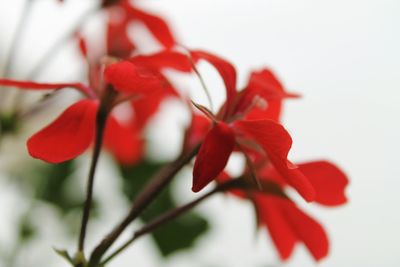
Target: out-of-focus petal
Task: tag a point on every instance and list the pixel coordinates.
(82, 44)
(328, 180)
(276, 142)
(265, 85)
(213, 155)
(68, 136)
(308, 230)
(118, 42)
(123, 140)
(30, 85)
(198, 129)
(156, 25)
(164, 59)
(129, 78)
(287, 224)
(146, 107)
(278, 227)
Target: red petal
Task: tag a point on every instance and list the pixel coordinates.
(200, 126)
(118, 42)
(267, 85)
(82, 44)
(225, 69)
(213, 155)
(146, 107)
(276, 142)
(269, 173)
(309, 231)
(165, 59)
(156, 25)
(123, 140)
(129, 78)
(279, 229)
(272, 112)
(29, 85)
(68, 136)
(287, 225)
(328, 180)
(264, 84)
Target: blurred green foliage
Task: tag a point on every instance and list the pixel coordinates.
(51, 184)
(8, 123)
(26, 230)
(176, 235)
(51, 181)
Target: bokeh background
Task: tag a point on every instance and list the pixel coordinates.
(342, 56)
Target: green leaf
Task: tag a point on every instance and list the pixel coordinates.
(54, 185)
(180, 234)
(52, 180)
(176, 235)
(64, 254)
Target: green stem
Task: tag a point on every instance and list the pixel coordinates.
(100, 125)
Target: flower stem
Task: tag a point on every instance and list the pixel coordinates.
(142, 201)
(169, 216)
(101, 119)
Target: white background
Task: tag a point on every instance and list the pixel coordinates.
(343, 57)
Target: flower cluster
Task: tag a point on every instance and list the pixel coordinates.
(248, 122)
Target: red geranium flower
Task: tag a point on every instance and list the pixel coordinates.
(249, 118)
(286, 223)
(231, 126)
(73, 131)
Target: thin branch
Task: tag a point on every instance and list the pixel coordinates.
(169, 216)
(100, 125)
(141, 202)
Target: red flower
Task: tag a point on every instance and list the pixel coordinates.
(222, 137)
(122, 14)
(327, 179)
(252, 117)
(73, 131)
(197, 130)
(286, 223)
(270, 136)
(262, 97)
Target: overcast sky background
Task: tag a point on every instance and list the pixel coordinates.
(342, 56)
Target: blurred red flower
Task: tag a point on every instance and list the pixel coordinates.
(73, 131)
